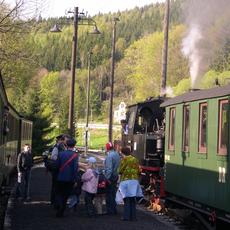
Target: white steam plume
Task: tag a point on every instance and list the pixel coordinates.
(208, 30)
(190, 50)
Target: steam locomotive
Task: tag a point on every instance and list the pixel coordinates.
(15, 131)
(145, 136)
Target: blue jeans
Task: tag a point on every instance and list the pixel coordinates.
(129, 208)
(73, 201)
(110, 198)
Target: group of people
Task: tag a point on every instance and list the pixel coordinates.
(118, 176)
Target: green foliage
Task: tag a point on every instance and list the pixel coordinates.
(210, 78)
(98, 138)
(54, 95)
(224, 78)
(208, 81)
(183, 86)
(55, 49)
(41, 124)
(142, 64)
(36, 66)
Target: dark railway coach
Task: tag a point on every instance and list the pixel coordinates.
(197, 150)
(14, 132)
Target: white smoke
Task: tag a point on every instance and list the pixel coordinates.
(191, 51)
(207, 32)
(168, 91)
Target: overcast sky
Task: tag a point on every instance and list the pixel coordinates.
(52, 8)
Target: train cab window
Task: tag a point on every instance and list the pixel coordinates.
(223, 127)
(172, 121)
(186, 128)
(203, 128)
(132, 119)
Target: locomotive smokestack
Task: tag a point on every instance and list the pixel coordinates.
(165, 50)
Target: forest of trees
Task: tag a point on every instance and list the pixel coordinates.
(35, 63)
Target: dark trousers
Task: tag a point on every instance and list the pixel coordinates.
(89, 204)
(23, 189)
(53, 188)
(110, 198)
(63, 191)
(129, 208)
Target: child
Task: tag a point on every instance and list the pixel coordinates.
(90, 184)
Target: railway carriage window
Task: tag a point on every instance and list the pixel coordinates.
(186, 128)
(223, 127)
(172, 129)
(6, 120)
(203, 128)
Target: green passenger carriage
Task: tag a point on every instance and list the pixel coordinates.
(15, 131)
(197, 150)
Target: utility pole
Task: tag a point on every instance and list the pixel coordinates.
(165, 50)
(71, 124)
(115, 20)
(81, 20)
(87, 106)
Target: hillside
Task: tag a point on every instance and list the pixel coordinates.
(36, 63)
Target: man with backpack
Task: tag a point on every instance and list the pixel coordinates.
(58, 147)
(67, 175)
(24, 165)
(52, 164)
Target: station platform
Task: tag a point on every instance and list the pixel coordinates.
(38, 214)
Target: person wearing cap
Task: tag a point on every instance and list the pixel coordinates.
(58, 147)
(67, 175)
(90, 184)
(112, 162)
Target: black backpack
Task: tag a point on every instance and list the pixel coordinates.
(102, 184)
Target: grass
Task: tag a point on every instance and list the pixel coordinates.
(98, 138)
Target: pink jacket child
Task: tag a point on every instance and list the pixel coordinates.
(90, 181)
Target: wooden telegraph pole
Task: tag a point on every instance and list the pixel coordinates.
(112, 80)
(71, 125)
